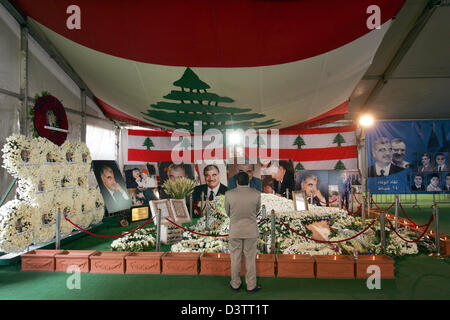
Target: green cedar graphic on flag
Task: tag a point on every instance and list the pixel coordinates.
(186, 144)
(339, 166)
(299, 166)
(339, 139)
(259, 141)
(194, 103)
(148, 143)
(299, 142)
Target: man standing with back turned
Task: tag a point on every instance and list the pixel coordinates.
(242, 204)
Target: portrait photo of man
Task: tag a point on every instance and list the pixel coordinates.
(426, 165)
(398, 153)
(434, 184)
(250, 169)
(315, 185)
(212, 188)
(284, 178)
(171, 171)
(25, 155)
(382, 154)
(112, 185)
(417, 183)
(440, 165)
(446, 186)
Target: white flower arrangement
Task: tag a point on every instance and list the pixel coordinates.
(46, 229)
(140, 240)
(17, 222)
(40, 167)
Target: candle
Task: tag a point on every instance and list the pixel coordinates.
(257, 256)
(294, 256)
(373, 257)
(218, 256)
(334, 257)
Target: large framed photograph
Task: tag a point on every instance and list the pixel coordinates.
(300, 202)
(180, 210)
(112, 185)
(166, 210)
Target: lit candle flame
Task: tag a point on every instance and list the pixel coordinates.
(373, 257)
(218, 256)
(294, 256)
(335, 257)
(257, 256)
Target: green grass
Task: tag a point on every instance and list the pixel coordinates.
(417, 277)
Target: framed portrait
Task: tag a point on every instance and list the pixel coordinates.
(166, 210)
(300, 202)
(180, 210)
(112, 185)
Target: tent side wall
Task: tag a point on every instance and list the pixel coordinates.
(44, 74)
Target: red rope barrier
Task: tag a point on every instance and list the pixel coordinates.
(200, 234)
(421, 236)
(355, 212)
(356, 198)
(262, 221)
(100, 236)
(327, 203)
(197, 208)
(379, 207)
(336, 241)
(415, 224)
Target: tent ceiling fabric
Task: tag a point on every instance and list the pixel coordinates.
(290, 60)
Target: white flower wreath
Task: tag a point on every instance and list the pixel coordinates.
(46, 229)
(17, 221)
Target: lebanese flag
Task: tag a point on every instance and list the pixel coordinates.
(314, 148)
(296, 62)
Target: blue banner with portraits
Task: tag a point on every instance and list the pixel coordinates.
(408, 157)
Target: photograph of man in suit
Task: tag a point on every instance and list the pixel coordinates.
(398, 153)
(446, 187)
(284, 179)
(345, 188)
(426, 163)
(418, 183)
(440, 162)
(254, 182)
(242, 205)
(309, 184)
(434, 184)
(382, 153)
(115, 196)
(212, 187)
(174, 172)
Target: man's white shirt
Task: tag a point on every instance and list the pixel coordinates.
(386, 169)
(215, 190)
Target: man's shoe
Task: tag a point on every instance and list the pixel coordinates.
(235, 289)
(257, 288)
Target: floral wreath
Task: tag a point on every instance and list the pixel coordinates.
(49, 118)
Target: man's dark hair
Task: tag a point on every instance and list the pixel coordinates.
(426, 155)
(209, 167)
(434, 175)
(106, 168)
(242, 178)
(440, 154)
(418, 175)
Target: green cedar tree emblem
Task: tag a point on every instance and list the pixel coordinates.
(259, 141)
(299, 166)
(148, 143)
(185, 144)
(194, 103)
(299, 142)
(339, 139)
(339, 166)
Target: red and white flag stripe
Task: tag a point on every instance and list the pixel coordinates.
(319, 148)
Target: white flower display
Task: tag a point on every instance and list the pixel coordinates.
(17, 222)
(342, 226)
(46, 229)
(140, 240)
(50, 179)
